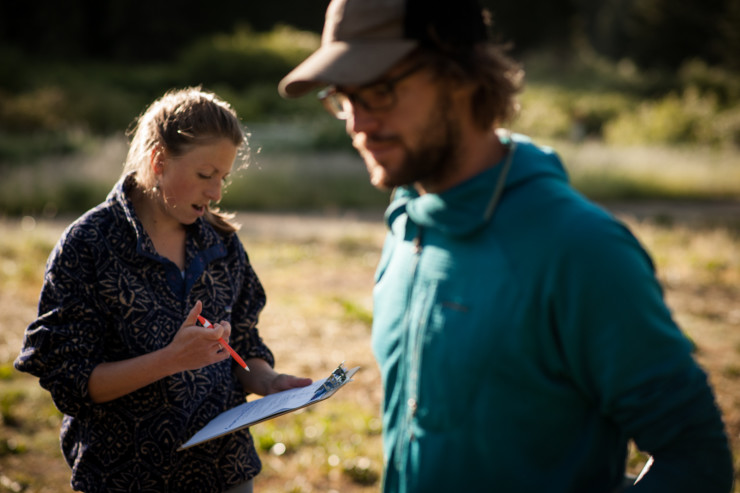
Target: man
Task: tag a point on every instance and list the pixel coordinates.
(520, 330)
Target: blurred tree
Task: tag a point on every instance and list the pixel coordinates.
(729, 34)
(125, 30)
(303, 14)
(664, 33)
(531, 24)
(667, 32)
(652, 32)
(603, 25)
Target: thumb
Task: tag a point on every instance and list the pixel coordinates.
(192, 317)
(285, 382)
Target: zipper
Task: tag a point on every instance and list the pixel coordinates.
(412, 367)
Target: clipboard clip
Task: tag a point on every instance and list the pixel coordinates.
(337, 378)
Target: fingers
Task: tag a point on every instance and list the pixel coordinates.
(221, 330)
(299, 381)
(226, 327)
(285, 382)
(216, 330)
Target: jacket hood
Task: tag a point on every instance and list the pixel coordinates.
(465, 208)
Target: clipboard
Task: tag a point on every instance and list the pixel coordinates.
(271, 406)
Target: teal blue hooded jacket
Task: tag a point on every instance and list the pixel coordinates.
(521, 352)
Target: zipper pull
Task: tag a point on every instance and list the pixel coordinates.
(417, 242)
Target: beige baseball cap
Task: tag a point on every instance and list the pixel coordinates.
(362, 39)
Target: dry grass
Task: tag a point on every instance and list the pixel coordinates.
(318, 276)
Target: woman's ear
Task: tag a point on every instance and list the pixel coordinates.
(156, 160)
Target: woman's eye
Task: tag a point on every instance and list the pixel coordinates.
(204, 176)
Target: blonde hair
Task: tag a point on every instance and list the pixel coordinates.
(173, 124)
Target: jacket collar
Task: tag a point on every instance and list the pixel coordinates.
(462, 210)
(201, 232)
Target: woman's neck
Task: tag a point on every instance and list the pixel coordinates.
(167, 235)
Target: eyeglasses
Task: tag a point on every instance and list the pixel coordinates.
(376, 96)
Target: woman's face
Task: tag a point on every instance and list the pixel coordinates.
(190, 182)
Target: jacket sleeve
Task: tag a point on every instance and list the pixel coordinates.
(245, 337)
(629, 356)
(63, 345)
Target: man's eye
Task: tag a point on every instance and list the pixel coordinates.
(375, 93)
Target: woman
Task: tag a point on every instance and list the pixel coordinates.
(116, 341)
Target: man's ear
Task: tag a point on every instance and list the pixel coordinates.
(462, 89)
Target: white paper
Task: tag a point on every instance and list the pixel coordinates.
(262, 409)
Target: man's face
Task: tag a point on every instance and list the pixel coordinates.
(415, 141)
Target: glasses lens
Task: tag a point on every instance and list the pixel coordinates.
(335, 103)
(377, 97)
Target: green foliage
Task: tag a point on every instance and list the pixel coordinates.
(67, 195)
(244, 57)
(676, 119)
(56, 109)
(338, 434)
(9, 401)
(96, 99)
(361, 471)
(707, 79)
(592, 98)
(353, 311)
(12, 70)
(6, 371)
(24, 147)
(286, 192)
(261, 102)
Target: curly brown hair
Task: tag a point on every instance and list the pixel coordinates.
(497, 77)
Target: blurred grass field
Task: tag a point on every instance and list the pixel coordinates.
(317, 270)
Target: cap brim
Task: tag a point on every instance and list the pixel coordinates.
(341, 63)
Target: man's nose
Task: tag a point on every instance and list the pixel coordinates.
(362, 120)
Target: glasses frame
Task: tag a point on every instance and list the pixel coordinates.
(333, 99)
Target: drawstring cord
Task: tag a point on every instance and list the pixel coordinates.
(499, 190)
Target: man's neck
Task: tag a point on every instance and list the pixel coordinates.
(479, 152)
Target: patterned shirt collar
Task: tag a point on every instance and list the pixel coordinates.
(203, 243)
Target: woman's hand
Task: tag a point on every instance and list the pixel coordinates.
(263, 380)
(194, 346)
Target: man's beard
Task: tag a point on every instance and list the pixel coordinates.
(433, 158)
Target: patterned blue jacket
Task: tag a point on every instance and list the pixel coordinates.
(108, 296)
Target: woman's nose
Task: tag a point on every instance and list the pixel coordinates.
(213, 192)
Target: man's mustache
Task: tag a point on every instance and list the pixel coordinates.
(362, 140)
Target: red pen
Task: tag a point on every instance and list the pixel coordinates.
(236, 357)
